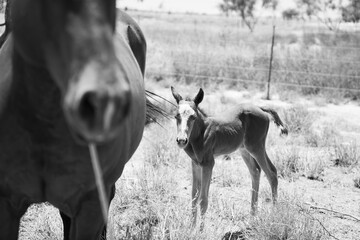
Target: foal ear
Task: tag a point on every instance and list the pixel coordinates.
(199, 97)
(177, 96)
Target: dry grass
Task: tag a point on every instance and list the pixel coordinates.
(156, 204)
(207, 49)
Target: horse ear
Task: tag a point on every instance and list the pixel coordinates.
(199, 97)
(138, 46)
(177, 96)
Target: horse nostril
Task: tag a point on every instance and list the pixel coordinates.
(102, 111)
(88, 107)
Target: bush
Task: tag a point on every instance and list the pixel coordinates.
(287, 220)
(287, 162)
(298, 119)
(346, 154)
(314, 170)
(357, 182)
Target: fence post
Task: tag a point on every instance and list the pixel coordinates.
(270, 67)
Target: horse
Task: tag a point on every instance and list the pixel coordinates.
(204, 137)
(72, 73)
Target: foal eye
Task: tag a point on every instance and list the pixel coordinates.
(177, 116)
(191, 117)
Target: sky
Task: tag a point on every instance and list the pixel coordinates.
(194, 6)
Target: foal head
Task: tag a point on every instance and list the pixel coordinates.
(73, 40)
(186, 116)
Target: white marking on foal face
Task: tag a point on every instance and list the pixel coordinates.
(185, 121)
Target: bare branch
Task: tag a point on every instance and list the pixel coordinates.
(333, 211)
(316, 219)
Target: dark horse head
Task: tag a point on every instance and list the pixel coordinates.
(66, 70)
(73, 39)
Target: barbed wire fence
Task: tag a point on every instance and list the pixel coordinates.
(348, 82)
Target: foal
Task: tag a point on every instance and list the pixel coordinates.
(203, 138)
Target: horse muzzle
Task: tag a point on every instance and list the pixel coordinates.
(97, 116)
(96, 104)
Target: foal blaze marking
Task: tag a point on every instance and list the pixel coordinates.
(244, 127)
(67, 78)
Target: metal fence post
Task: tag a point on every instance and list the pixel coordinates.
(270, 67)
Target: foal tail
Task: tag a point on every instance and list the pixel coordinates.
(276, 120)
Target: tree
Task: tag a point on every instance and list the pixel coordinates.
(324, 10)
(351, 12)
(270, 4)
(290, 14)
(245, 8)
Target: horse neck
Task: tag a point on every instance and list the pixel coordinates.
(199, 126)
(35, 91)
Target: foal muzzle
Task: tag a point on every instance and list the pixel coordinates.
(182, 142)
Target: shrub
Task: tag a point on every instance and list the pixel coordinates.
(287, 220)
(298, 119)
(357, 182)
(287, 162)
(314, 170)
(346, 154)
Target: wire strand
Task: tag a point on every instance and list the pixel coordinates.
(254, 81)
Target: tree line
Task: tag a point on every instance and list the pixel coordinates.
(321, 10)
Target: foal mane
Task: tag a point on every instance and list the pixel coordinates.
(204, 114)
(201, 111)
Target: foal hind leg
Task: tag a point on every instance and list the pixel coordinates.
(259, 153)
(255, 172)
(274, 187)
(10, 219)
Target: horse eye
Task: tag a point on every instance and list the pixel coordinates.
(177, 116)
(191, 117)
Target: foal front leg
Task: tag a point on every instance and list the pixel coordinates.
(206, 172)
(195, 192)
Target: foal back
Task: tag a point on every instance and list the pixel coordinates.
(242, 126)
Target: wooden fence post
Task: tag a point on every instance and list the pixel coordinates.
(270, 67)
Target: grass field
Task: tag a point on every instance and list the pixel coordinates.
(318, 163)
